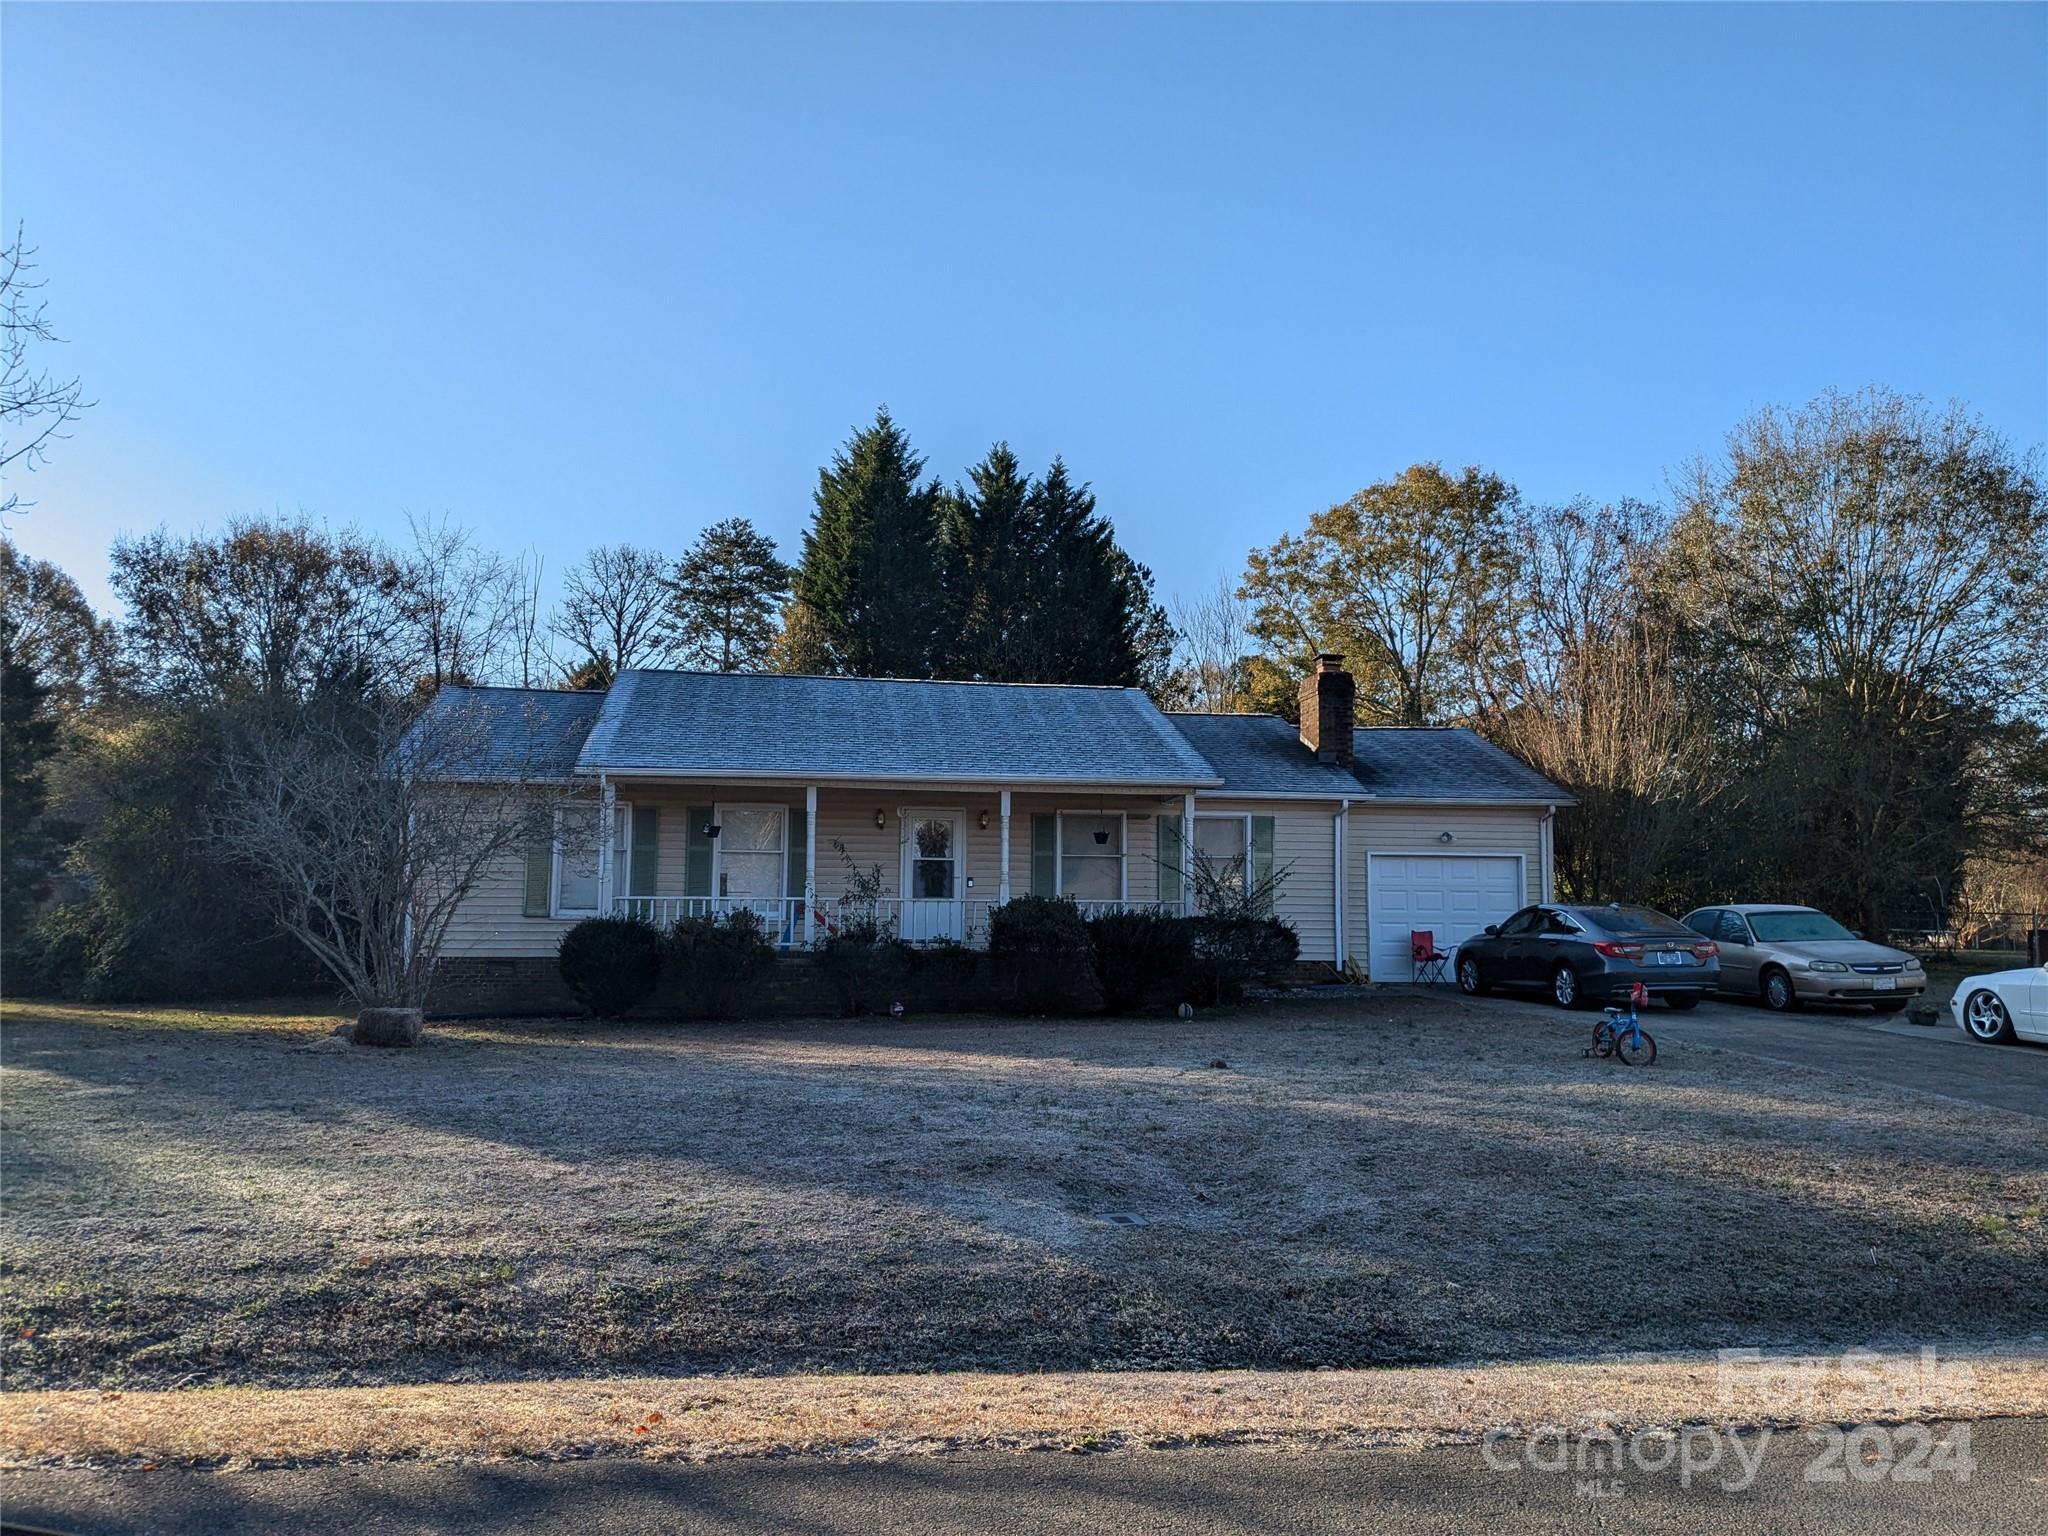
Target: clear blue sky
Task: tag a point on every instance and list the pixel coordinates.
(576, 275)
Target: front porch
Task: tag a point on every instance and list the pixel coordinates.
(926, 864)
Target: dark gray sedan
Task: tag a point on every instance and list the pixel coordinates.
(1591, 954)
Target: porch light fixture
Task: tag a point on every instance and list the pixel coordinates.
(881, 818)
(1445, 837)
(984, 821)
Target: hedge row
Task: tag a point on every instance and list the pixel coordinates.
(1044, 957)
(611, 964)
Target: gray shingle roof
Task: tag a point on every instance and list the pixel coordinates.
(1262, 754)
(746, 725)
(1447, 763)
(504, 733)
(738, 725)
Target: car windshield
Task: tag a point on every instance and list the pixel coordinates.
(1627, 919)
(1796, 927)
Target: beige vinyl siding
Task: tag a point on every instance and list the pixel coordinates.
(1303, 847)
(492, 921)
(1418, 829)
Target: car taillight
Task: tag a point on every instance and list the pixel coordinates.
(1614, 951)
(1706, 949)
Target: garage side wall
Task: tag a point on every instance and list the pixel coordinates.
(1476, 831)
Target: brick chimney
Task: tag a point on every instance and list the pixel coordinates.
(1329, 709)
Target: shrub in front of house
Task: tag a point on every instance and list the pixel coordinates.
(1041, 957)
(867, 970)
(1234, 950)
(714, 962)
(1140, 957)
(610, 963)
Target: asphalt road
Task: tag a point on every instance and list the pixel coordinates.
(1183, 1492)
(1887, 1049)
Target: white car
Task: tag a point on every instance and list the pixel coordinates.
(2003, 1005)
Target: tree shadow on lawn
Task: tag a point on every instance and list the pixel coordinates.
(780, 1200)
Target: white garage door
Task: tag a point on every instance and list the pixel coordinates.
(1452, 895)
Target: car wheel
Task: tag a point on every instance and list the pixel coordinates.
(1681, 1001)
(1892, 1005)
(1778, 994)
(1470, 981)
(1564, 987)
(1984, 1016)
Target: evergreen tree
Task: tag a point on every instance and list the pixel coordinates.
(28, 735)
(871, 570)
(1078, 625)
(988, 525)
(724, 596)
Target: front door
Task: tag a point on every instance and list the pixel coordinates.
(751, 849)
(933, 879)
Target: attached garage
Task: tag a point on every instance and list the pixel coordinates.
(1450, 895)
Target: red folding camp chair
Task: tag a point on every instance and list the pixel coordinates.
(1429, 961)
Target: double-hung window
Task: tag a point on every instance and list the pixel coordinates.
(1091, 856)
(576, 850)
(576, 858)
(1223, 858)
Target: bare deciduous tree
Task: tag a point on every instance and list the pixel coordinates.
(1210, 670)
(278, 607)
(33, 401)
(365, 830)
(461, 601)
(614, 610)
(1592, 700)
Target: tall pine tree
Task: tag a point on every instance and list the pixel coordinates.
(1077, 625)
(872, 574)
(988, 525)
(724, 596)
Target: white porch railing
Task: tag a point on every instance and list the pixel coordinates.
(783, 916)
(915, 920)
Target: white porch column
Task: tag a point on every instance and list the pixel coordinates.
(1003, 876)
(810, 863)
(608, 803)
(1187, 855)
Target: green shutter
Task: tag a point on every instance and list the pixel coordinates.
(1045, 831)
(1169, 861)
(540, 873)
(1262, 859)
(697, 867)
(799, 850)
(646, 869)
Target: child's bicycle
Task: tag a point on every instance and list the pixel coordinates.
(1621, 1033)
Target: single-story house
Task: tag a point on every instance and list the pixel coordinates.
(723, 790)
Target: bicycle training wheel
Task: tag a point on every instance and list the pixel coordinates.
(1635, 1048)
(1603, 1039)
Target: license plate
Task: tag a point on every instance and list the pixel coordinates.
(1671, 957)
(1885, 984)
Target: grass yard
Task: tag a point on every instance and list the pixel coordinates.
(199, 1198)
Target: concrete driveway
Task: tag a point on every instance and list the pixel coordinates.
(1851, 1042)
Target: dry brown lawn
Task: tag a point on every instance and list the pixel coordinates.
(201, 1199)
